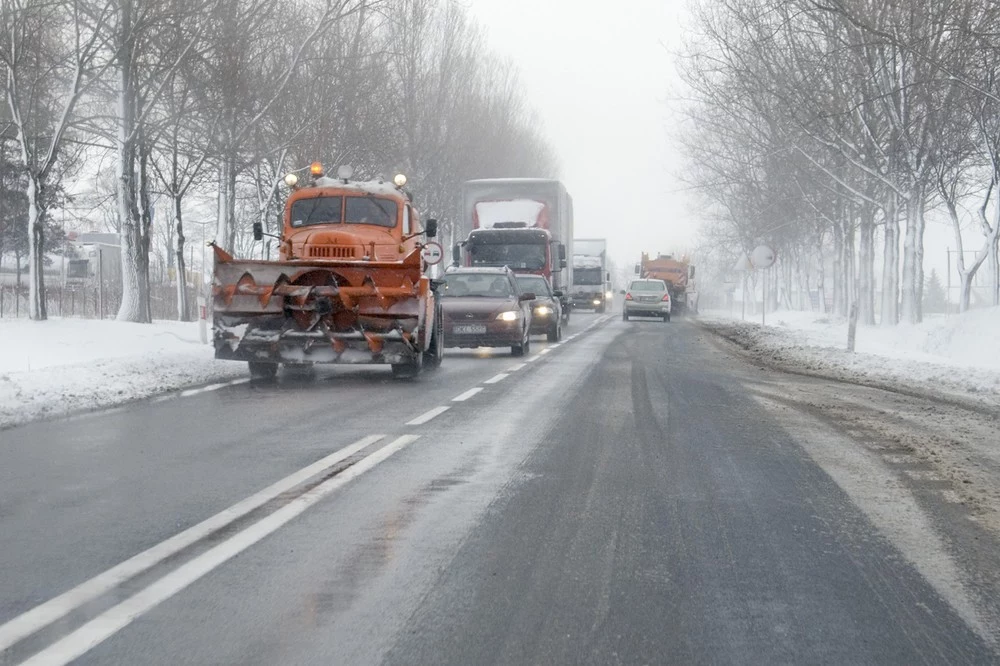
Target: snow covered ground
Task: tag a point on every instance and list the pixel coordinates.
(957, 356)
(62, 366)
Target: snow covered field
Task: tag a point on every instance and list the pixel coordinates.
(957, 356)
(63, 366)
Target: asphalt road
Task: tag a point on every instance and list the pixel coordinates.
(637, 494)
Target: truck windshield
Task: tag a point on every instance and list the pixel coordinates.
(317, 210)
(587, 276)
(370, 210)
(523, 256)
(332, 210)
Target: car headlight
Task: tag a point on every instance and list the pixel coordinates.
(510, 315)
(543, 311)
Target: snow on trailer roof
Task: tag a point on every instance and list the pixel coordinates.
(586, 261)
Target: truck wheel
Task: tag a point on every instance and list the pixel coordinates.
(408, 370)
(262, 370)
(599, 309)
(434, 354)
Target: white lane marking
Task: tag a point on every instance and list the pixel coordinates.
(213, 387)
(555, 346)
(468, 394)
(532, 359)
(496, 379)
(544, 351)
(22, 626)
(517, 367)
(427, 416)
(118, 617)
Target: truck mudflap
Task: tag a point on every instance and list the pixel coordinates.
(320, 311)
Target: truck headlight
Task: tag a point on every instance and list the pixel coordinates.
(510, 315)
(597, 301)
(543, 311)
(609, 294)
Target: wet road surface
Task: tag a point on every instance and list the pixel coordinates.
(636, 494)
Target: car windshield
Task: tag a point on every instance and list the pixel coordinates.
(534, 284)
(647, 285)
(587, 276)
(482, 285)
(518, 256)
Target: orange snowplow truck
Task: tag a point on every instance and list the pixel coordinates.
(349, 285)
(679, 276)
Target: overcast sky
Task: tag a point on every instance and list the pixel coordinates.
(600, 75)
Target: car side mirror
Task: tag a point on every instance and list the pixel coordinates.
(557, 293)
(431, 229)
(527, 296)
(607, 277)
(622, 292)
(258, 231)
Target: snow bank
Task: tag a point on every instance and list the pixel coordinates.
(63, 366)
(955, 356)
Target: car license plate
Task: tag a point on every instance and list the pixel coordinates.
(648, 299)
(470, 329)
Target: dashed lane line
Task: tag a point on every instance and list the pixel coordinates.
(468, 394)
(496, 379)
(428, 416)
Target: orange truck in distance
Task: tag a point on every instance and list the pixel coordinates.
(350, 284)
(678, 273)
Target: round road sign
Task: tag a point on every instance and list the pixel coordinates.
(432, 253)
(762, 257)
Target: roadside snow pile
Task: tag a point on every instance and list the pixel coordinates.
(956, 355)
(62, 366)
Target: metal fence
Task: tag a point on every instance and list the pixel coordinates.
(86, 302)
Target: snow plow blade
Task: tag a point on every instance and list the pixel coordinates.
(320, 311)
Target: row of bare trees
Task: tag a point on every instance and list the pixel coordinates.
(834, 128)
(204, 105)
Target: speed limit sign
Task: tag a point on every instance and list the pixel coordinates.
(432, 253)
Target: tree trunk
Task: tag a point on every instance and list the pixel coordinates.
(913, 253)
(890, 265)
(866, 268)
(36, 253)
(839, 306)
(183, 311)
(821, 276)
(225, 232)
(135, 279)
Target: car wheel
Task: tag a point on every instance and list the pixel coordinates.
(554, 333)
(666, 317)
(262, 370)
(624, 315)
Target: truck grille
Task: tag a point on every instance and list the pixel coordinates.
(331, 252)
